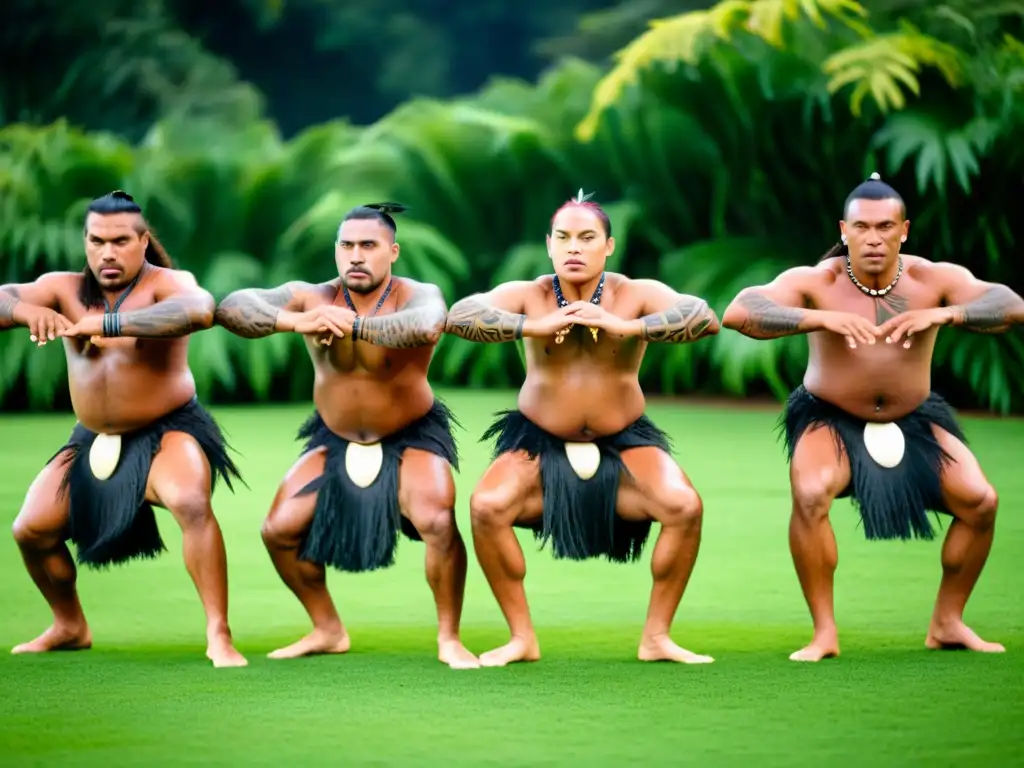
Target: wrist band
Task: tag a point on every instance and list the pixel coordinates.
(355, 327)
(111, 324)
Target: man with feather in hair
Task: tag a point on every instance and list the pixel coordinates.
(379, 449)
(142, 438)
(865, 423)
(578, 462)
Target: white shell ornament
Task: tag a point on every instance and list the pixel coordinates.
(363, 463)
(584, 458)
(885, 443)
(104, 455)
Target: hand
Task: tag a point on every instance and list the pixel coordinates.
(915, 321)
(856, 329)
(326, 321)
(596, 316)
(552, 324)
(43, 324)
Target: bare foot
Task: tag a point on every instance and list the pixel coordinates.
(221, 651)
(516, 649)
(661, 648)
(59, 637)
(823, 646)
(316, 642)
(454, 654)
(957, 635)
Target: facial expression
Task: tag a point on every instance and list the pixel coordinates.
(365, 252)
(115, 250)
(874, 231)
(577, 244)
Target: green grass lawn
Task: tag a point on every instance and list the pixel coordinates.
(145, 694)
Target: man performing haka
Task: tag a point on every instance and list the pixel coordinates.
(580, 427)
(865, 423)
(379, 448)
(142, 438)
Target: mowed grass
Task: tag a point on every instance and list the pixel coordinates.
(146, 695)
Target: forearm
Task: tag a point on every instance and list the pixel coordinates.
(245, 314)
(473, 320)
(993, 312)
(402, 330)
(173, 317)
(8, 301)
(755, 315)
(687, 320)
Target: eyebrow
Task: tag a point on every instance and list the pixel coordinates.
(364, 241)
(584, 232)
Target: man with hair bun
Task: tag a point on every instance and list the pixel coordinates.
(578, 462)
(865, 423)
(379, 449)
(142, 438)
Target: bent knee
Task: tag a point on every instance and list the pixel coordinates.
(813, 494)
(434, 523)
(190, 508)
(981, 509)
(492, 507)
(682, 507)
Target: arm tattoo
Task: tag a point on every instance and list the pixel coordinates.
(475, 321)
(992, 312)
(173, 317)
(252, 313)
(768, 320)
(686, 320)
(9, 298)
(419, 323)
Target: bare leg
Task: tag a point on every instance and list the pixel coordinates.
(179, 481)
(973, 502)
(664, 494)
(283, 529)
(40, 531)
(817, 474)
(427, 495)
(509, 492)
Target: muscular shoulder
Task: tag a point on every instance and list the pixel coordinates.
(414, 290)
(937, 273)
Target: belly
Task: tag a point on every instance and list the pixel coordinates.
(581, 406)
(876, 383)
(364, 409)
(116, 391)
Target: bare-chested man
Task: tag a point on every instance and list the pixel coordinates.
(379, 448)
(580, 428)
(142, 438)
(865, 423)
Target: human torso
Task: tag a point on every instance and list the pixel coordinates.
(582, 389)
(118, 385)
(877, 382)
(362, 391)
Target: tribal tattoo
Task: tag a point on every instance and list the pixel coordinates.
(686, 320)
(419, 323)
(475, 321)
(252, 313)
(889, 306)
(992, 312)
(766, 319)
(173, 317)
(9, 298)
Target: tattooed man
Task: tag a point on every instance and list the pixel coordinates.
(578, 462)
(379, 449)
(142, 438)
(865, 423)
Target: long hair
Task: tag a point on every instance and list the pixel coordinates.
(90, 293)
(872, 189)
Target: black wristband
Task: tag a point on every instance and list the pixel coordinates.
(355, 327)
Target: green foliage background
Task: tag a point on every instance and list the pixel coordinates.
(721, 141)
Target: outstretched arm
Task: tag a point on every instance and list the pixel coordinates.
(774, 310)
(181, 308)
(418, 323)
(492, 317)
(674, 318)
(978, 305)
(253, 313)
